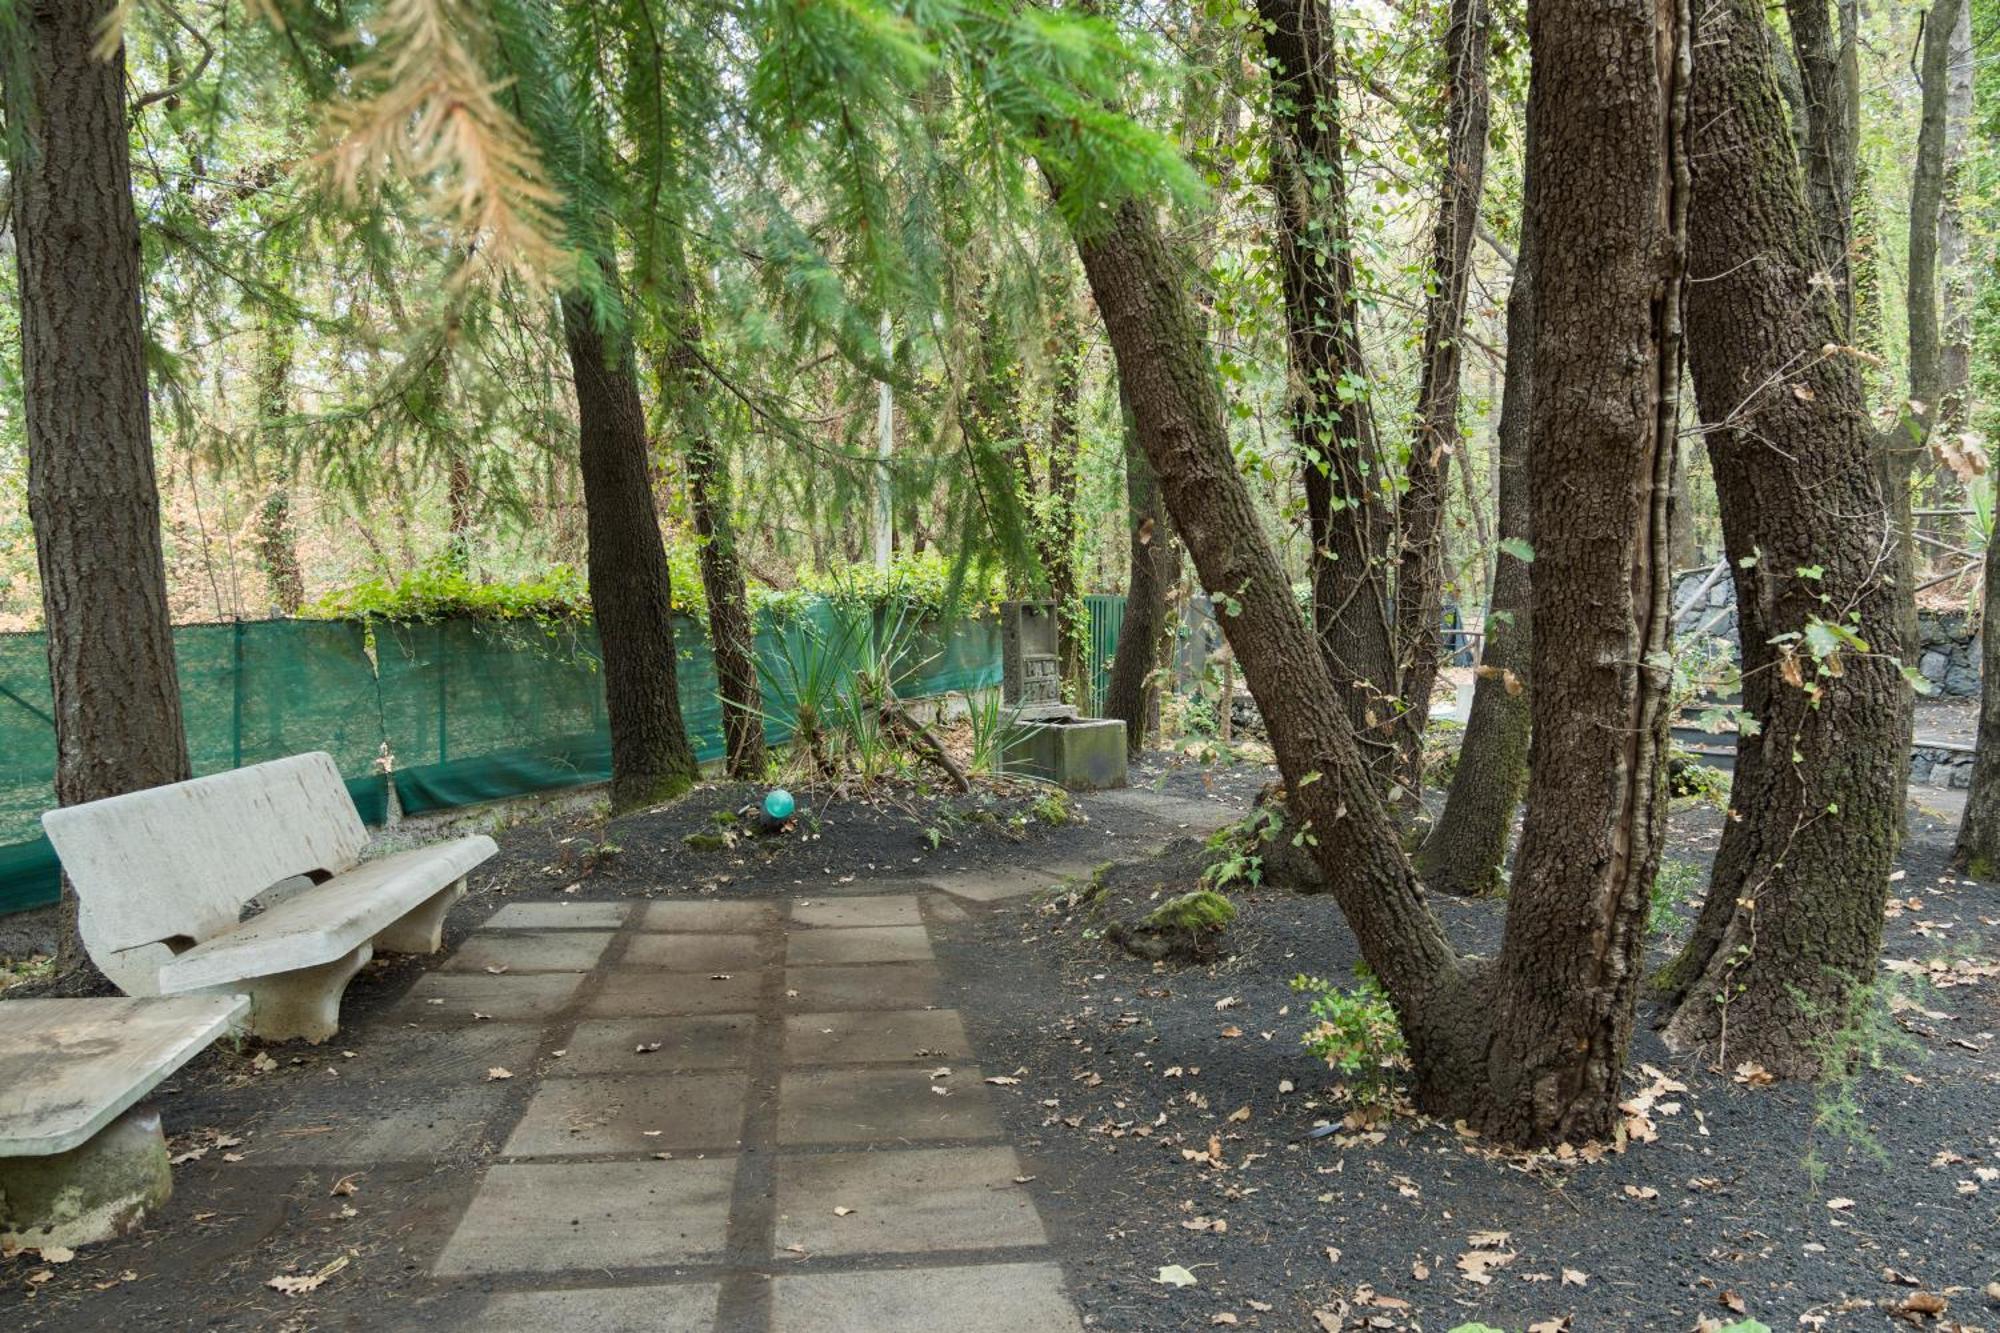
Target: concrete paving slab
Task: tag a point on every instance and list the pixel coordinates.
(560, 915)
(898, 909)
(890, 986)
(905, 1202)
(549, 1217)
(360, 1127)
(529, 951)
(444, 1057)
(648, 1309)
(639, 992)
(864, 944)
(986, 1298)
(455, 999)
(695, 953)
(614, 1045)
(884, 1106)
(992, 886)
(929, 1035)
(636, 1113)
(707, 917)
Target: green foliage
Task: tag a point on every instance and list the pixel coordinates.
(438, 589)
(1676, 888)
(1866, 1040)
(1355, 1032)
(1199, 910)
(1239, 858)
(1054, 807)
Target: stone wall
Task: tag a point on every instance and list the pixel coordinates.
(1948, 655)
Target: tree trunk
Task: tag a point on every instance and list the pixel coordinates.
(1794, 914)
(1058, 527)
(630, 595)
(276, 540)
(92, 496)
(1528, 1048)
(1348, 517)
(1133, 691)
(1420, 575)
(1824, 39)
(1465, 851)
(732, 635)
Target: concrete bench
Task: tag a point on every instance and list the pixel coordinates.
(80, 1160)
(251, 881)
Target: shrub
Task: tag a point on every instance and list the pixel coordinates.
(1356, 1031)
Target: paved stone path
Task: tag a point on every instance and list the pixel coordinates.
(749, 1115)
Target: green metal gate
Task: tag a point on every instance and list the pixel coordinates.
(1107, 617)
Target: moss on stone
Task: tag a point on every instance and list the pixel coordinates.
(1204, 909)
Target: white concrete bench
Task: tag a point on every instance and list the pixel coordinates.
(163, 878)
(80, 1160)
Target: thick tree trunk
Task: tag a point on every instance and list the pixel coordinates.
(630, 596)
(92, 496)
(1825, 41)
(1133, 691)
(1529, 1048)
(1346, 479)
(276, 539)
(1420, 573)
(1978, 850)
(1465, 851)
(1794, 915)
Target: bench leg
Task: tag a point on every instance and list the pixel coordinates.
(91, 1193)
(305, 1003)
(422, 930)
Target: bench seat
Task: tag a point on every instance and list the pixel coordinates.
(80, 1161)
(328, 921)
(170, 882)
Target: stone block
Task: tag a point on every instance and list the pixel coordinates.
(883, 1106)
(984, 1298)
(635, 992)
(454, 999)
(905, 1202)
(884, 910)
(657, 1045)
(707, 954)
(636, 1113)
(907, 1035)
(1082, 754)
(649, 1309)
(529, 951)
(707, 916)
(101, 1189)
(861, 944)
(889, 986)
(561, 914)
(553, 1217)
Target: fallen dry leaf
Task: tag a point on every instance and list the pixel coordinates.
(300, 1284)
(1840, 1205)
(496, 1073)
(1173, 1275)
(1574, 1277)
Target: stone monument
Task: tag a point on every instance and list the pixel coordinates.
(1045, 737)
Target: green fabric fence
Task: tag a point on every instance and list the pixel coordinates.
(451, 712)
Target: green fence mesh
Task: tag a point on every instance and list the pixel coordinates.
(458, 711)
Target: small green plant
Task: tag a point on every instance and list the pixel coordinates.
(1355, 1031)
(19, 971)
(1053, 807)
(1868, 1040)
(986, 716)
(1238, 847)
(1676, 886)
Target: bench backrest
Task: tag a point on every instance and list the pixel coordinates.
(179, 862)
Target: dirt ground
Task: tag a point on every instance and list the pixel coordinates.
(1166, 1115)
(1170, 1110)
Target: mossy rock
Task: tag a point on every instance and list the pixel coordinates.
(707, 842)
(1185, 928)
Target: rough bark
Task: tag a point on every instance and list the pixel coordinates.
(276, 539)
(1348, 516)
(1132, 693)
(93, 498)
(630, 595)
(1607, 129)
(1528, 1048)
(1056, 532)
(1794, 913)
(1420, 571)
(731, 633)
(1824, 34)
(1466, 849)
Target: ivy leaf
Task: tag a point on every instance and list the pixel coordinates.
(1518, 548)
